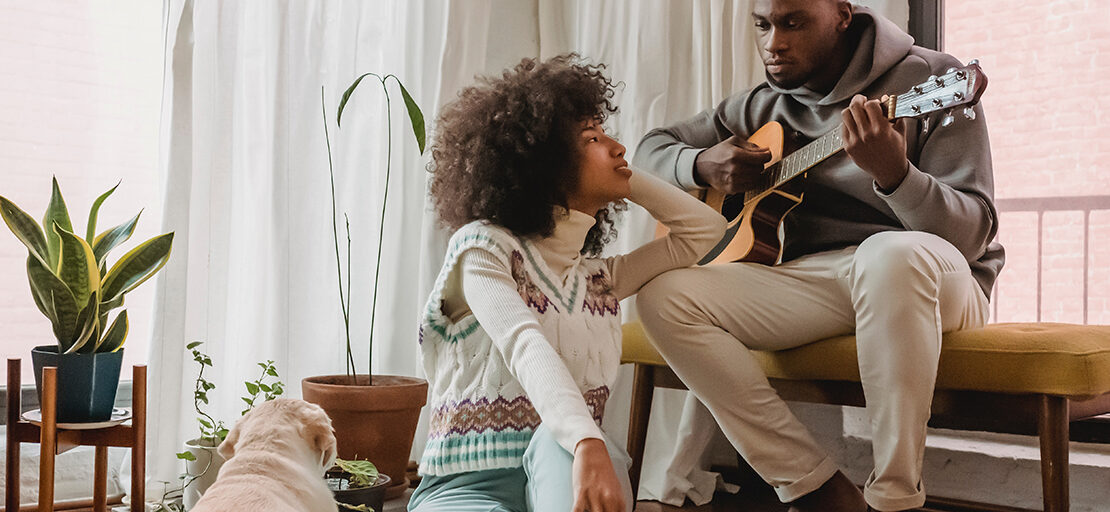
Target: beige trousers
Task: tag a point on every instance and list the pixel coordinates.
(898, 291)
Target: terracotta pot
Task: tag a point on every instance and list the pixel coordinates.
(375, 422)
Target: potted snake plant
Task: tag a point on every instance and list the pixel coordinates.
(74, 286)
(374, 416)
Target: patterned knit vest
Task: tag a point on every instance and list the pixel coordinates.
(480, 416)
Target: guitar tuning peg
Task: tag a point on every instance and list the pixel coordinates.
(969, 113)
(948, 119)
(973, 62)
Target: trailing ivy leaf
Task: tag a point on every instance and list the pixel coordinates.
(187, 455)
(116, 334)
(26, 230)
(137, 266)
(252, 388)
(90, 230)
(193, 345)
(56, 213)
(204, 422)
(415, 116)
(112, 238)
(77, 266)
(271, 372)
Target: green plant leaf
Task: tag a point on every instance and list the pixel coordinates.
(56, 213)
(252, 388)
(193, 345)
(110, 239)
(77, 266)
(90, 231)
(87, 323)
(363, 472)
(26, 230)
(415, 116)
(137, 266)
(347, 96)
(58, 302)
(115, 336)
(187, 455)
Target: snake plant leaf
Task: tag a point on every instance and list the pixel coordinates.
(90, 230)
(117, 333)
(415, 116)
(110, 239)
(52, 296)
(25, 229)
(56, 213)
(77, 266)
(137, 266)
(108, 305)
(347, 96)
(88, 322)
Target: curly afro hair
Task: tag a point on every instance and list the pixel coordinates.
(506, 149)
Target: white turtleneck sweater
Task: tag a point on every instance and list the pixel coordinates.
(486, 287)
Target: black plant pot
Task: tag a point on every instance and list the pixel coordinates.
(86, 382)
(373, 497)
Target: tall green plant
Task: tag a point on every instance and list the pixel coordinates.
(71, 282)
(416, 118)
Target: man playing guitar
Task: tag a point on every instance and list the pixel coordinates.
(891, 240)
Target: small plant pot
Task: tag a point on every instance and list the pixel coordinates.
(204, 469)
(86, 382)
(373, 497)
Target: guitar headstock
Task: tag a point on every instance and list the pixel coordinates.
(956, 87)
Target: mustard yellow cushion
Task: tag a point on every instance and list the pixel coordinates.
(1055, 359)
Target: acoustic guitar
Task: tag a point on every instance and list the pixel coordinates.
(755, 216)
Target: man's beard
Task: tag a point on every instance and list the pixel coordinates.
(792, 84)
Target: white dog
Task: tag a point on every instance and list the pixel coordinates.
(276, 458)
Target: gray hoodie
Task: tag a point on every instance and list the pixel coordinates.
(949, 190)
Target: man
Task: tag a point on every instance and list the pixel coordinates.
(892, 242)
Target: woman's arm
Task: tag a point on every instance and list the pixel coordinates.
(491, 295)
(694, 229)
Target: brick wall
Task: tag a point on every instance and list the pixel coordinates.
(1048, 64)
(80, 92)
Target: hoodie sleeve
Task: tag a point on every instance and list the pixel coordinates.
(669, 152)
(949, 188)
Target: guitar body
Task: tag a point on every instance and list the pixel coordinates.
(753, 228)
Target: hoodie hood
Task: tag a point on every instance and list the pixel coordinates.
(867, 64)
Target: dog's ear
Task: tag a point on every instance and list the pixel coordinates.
(227, 448)
(319, 433)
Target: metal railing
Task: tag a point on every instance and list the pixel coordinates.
(1040, 205)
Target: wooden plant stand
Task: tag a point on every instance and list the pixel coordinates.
(53, 441)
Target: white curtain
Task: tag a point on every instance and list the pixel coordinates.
(253, 270)
(243, 157)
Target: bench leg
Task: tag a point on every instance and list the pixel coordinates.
(1052, 425)
(643, 386)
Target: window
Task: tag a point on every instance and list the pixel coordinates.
(80, 94)
(1048, 114)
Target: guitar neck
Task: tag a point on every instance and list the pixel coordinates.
(800, 161)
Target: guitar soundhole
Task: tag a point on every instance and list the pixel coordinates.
(732, 206)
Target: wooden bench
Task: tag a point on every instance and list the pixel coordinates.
(1020, 378)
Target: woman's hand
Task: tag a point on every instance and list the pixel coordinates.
(596, 488)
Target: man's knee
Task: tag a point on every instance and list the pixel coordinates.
(663, 294)
(892, 256)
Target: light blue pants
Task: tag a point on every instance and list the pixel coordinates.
(542, 484)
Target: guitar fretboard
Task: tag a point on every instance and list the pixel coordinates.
(799, 162)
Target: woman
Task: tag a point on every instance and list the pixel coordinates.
(521, 335)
